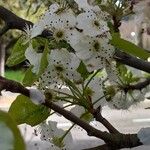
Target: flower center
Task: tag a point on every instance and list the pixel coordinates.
(96, 23)
(59, 35)
(96, 46)
(89, 91)
(59, 68)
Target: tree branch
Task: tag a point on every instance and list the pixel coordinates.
(98, 116)
(117, 140)
(138, 86)
(12, 21)
(132, 61)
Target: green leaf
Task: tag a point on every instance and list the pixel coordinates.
(17, 54)
(126, 75)
(29, 77)
(7, 128)
(83, 71)
(129, 47)
(44, 61)
(23, 110)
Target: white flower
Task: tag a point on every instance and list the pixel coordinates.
(49, 132)
(77, 110)
(111, 71)
(36, 96)
(34, 58)
(144, 136)
(93, 52)
(91, 24)
(84, 4)
(96, 92)
(56, 17)
(37, 28)
(124, 100)
(121, 101)
(62, 64)
(73, 37)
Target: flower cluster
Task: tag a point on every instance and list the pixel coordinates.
(88, 35)
(79, 52)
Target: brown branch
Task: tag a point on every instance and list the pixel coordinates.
(12, 86)
(12, 21)
(132, 61)
(117, 140)
(137, 86)
(16, 87)
(98, 116)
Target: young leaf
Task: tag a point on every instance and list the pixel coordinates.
(10, 137)
(17, 53)
(23, 110)
(44, 61)
(83, 71)
(129, 47)
(29, 77)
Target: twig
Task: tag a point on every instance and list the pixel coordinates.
(98, 116)
(137, 86)
(132, 61)
(115, 140)
(12, 21)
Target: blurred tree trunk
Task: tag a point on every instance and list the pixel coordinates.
(2, 58)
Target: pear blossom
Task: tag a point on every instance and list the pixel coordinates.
(95, 91)
(77, 110)
(62, 64)
(50, 133)
(91, 24)
(123, 100)
(93, 52)
(36, 96)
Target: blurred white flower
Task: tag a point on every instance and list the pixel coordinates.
(96, 92)
(49, 132)
(77, 110)
(34, 58)
(91, 24)
(62, 64)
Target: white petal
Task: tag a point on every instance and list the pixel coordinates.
(36, 96)
(30, 53)
(77, 110)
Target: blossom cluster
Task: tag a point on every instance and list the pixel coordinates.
(88, 35)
